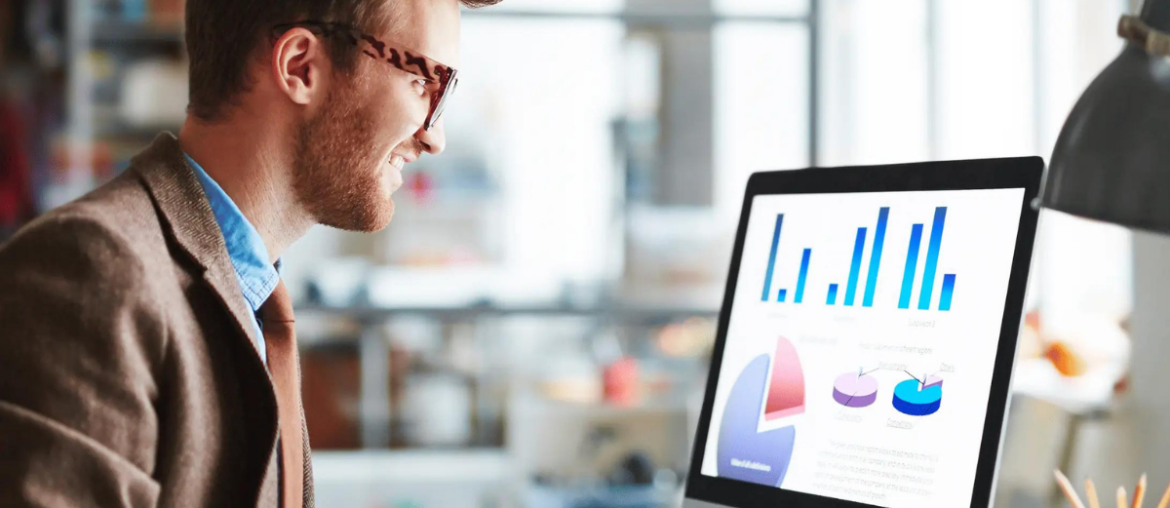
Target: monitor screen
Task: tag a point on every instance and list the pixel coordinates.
(861, 344)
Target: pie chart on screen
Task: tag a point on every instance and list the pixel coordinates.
(915, 398)
(771, 386)
(854, 389)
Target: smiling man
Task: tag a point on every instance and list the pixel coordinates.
(146, 339)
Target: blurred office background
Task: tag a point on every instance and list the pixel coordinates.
(533, 329)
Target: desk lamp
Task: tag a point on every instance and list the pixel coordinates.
(1112, 159)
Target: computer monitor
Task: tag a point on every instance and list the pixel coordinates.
(866, 340)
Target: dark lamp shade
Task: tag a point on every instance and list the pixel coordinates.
(1112, 159)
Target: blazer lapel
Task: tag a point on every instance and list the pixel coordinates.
(186, 212)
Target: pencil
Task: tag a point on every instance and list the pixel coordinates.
(1121, 502)
(1091, 494)
(1139, 492)
(1165, 498)
(1068, 489)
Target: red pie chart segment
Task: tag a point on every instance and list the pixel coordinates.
(786, 385)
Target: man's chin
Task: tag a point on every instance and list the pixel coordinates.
(366, 219)
(389, 215)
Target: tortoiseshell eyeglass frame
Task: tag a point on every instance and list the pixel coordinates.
(437, 75)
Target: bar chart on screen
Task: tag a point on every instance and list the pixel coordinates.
(862, 326)
(861, 283)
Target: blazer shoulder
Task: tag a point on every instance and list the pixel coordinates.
(81, 269)
(120, 211)
(114, 230)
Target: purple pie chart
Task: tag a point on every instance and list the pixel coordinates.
(744, 453)
(853, 389)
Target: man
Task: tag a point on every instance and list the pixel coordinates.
(147, 355)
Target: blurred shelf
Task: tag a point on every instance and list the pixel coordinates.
(133, 132)
(405, 466)
(528, 402)
(621, 312)
(683, 20)
(109, 122)
(117, 32)
(417, 479)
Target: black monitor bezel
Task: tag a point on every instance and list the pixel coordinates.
(1007, 173)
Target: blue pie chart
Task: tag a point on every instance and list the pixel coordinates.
(914, 399)
(745, 453)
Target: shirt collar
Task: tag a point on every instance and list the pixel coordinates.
(249, 256)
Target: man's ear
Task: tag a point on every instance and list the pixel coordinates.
(300, 65)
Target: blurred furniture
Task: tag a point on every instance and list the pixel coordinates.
(1082, 399)
(373, 349)
(331, 387)
(126, 83)
(583, 455)
(412, 479)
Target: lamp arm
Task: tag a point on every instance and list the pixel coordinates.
(1154, 41)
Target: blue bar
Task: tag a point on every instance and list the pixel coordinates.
(936, 233)
(803, 276)
(855, 269)
(875, 261)
(944, 302)
(911, 266)
(783, 295)
(832, 300)
(772, 258)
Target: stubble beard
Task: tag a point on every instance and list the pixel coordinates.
(337, 174)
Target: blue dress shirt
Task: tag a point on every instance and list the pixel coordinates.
(257, 277)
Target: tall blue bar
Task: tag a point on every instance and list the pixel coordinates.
(911, 266)
(936, 233)
(772, 258)
(782, 296)
(875, 261)
(803, 275)
(855, 268)
(948, 290)
(832, 300)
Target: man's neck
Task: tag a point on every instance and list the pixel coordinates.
(253, 167)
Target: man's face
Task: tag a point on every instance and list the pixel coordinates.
(350, 155)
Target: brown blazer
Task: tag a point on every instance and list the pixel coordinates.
(128, 372)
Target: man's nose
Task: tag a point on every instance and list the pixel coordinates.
(434, 140)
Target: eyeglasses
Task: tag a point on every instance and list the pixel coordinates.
(441, 79)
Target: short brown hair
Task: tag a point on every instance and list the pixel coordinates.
(222, 35)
